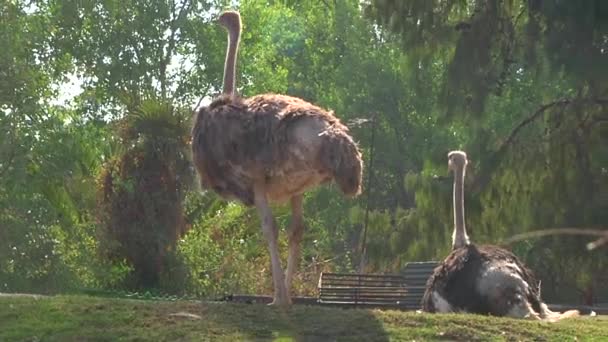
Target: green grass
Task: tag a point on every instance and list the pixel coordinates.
(86, 318)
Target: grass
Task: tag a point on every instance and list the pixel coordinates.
(87, 318)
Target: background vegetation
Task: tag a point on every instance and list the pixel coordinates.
(96, 99)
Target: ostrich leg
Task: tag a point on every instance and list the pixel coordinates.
(269, 227)
(295, 238)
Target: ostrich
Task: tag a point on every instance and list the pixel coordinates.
(271, 148)
(482, 279)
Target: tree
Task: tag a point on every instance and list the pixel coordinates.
(520, 85)
(488, 42)
(141, 190)
(524, 84)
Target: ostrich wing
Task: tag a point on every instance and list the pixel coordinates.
(457, 271)
(495, 253)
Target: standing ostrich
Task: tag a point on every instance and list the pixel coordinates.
(483, 279)
(271, 148)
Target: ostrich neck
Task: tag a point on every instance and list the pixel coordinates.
(230, 64)
(459, 237)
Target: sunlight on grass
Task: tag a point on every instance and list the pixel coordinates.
(88, 318)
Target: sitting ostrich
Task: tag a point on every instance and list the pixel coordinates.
(271, 148)
(482, 279)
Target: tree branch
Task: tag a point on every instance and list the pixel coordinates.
(166, 57)
(602, 233)
(326, 4)
(497, 156)
(530, 119)
(9, 162)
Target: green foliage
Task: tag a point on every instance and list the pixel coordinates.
(519, 85)
(220, 252)
(486, 43)
(528, 113)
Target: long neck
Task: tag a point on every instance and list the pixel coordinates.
(234, 34)
(459, 237)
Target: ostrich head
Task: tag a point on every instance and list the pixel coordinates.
(457, 160)
(231, 20)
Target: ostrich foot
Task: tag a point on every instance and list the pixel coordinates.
(554, 316)
(557, 316)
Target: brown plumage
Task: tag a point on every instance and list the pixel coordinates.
(483, 279)
(271, 148)
(288, 143)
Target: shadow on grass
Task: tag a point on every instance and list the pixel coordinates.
(299, 323)
(83, 318)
